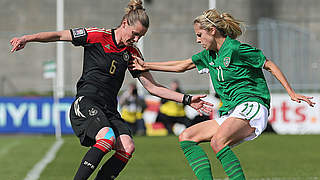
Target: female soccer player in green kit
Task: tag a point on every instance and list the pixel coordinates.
(94, 116)
(236, 72)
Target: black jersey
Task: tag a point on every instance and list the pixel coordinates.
(104, 64)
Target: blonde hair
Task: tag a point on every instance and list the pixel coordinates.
(135, 12)
(223, 22)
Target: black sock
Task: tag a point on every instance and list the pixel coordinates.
(111, 169)
(89, 163)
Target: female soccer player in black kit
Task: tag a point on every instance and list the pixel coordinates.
(94, 116)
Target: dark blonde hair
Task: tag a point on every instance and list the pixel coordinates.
(224, 22)
(135, 12)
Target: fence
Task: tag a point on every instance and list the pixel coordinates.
(295, 50)
(292, 48)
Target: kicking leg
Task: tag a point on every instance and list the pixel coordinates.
(124, 150)
(195, 155)
(231, 131)
(104, 143)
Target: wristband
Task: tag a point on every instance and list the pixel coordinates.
(186, 99)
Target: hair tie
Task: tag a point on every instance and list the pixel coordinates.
(219, 29)
(210, 21)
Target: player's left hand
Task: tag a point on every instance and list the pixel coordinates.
(298, 98)
(137, 64)
(201, 106)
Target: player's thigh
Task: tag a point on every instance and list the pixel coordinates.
(245, 122)
(200, 132)
(106, 133)
(232, 131)
(87, 119)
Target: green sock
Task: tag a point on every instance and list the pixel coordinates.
(230, 164)
(197, 159)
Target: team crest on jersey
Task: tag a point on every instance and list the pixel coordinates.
(126, 56)
(226, 61)
(93, 112)
(78, 32)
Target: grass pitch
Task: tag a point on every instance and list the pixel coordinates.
(270, 157)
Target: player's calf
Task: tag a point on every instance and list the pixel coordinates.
(104, 143)
(114, 165)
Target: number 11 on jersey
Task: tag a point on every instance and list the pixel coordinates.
(220, 73)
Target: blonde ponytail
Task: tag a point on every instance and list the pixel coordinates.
(224, 22)
(133, 5)
(135, 12)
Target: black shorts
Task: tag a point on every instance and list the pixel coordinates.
(89, 117)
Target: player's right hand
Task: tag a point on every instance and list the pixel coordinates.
(18, 43)
(200, 105)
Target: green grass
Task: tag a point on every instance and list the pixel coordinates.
(278, 157)
(18, 154)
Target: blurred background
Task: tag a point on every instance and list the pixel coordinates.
(286, 30)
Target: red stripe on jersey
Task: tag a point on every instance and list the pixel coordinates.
(135, 51)
(104, 37)
(99, 30)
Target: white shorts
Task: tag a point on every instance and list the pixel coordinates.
(255, 113)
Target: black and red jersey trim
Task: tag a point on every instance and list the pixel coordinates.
(104, 64)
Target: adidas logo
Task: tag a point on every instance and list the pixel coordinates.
(107, 46)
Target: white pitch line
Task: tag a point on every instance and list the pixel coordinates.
(35, 172)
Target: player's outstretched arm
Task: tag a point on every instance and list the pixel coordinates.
(199, 105)
(156, 89)
(275, 70)
(168, 66)
(18, 43)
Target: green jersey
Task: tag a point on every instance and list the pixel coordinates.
(236, 74)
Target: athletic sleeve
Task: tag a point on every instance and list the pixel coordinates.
(83, 36)
(135, 51)
(79, 36)
(199, 61)
(251, 56)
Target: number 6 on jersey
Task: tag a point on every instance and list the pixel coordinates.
(113, 67)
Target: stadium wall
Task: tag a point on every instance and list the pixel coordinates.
(170, 35)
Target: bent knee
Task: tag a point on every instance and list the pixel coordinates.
(186, 136)
(125, 143)
(130, 149)
(217, 143)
